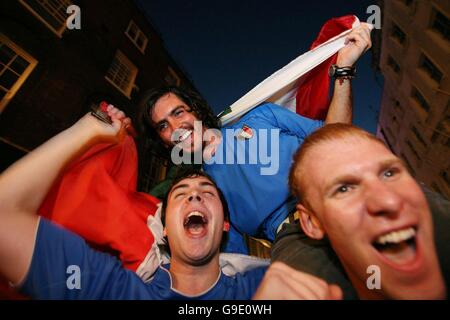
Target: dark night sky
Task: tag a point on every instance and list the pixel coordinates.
(228, 47)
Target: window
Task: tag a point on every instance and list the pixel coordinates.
(393, 64)
(420, 99)
(136, 36)
(172, 78)
(398, 34)
(413, 150)
(395, 122)
(408, 164)
(430, 68)
(441, 24)
(399, 109)
(386, 138)
(15, 67)
(442, 130)
(122, 74)
(446, 177)
(435, 187)
(418, 136)
(53, 13)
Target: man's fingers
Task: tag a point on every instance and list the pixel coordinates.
(359, 41)
(120, 115)
(303, 284)
(335, 292)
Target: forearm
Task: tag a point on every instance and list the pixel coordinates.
(24, 185)
(341, 106)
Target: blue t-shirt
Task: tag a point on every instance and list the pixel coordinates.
(65, 267)
(255, 185)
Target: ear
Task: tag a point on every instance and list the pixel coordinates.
(310, 224)
(226, 226)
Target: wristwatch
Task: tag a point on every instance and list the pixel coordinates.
(342, 72)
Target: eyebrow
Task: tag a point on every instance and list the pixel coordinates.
(349, 176)
(171, 114)
(185, 185)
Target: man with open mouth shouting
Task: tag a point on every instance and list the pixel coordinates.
(48, 262)
(355, 192)
(253, 182)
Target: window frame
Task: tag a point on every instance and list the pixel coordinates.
(393, 64)
(139, 33)
(23, 76)
(174, 75)
(434, 17)
(398, 34)
(59, 32)
(130, 65)
(430, 68)
(419, 99)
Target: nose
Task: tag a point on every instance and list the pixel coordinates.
(383, 199)
(194, 196)
(174, 123)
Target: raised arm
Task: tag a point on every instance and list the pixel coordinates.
(24, 185)
(357, 42)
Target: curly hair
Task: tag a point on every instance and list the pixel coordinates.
(196, 103)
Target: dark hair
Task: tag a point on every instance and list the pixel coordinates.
(190, 172)
(196, 103)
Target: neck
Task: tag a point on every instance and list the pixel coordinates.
(211, 144)
(193, 280)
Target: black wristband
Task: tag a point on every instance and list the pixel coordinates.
(342, 72)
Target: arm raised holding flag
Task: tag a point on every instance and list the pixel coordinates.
(357, 43)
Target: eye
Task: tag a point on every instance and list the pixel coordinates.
(389, 173)
(209, 193)
(162, 126)
(342, 189)
(179, 195)
(178, 112)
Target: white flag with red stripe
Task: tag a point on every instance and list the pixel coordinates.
(302, 85)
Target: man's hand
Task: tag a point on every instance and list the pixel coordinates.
(104, 132)
(357, 42)
(281, 282)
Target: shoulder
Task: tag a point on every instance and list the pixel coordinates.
(245, 284)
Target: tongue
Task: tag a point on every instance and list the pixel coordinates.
(195, 229)
(401, 253)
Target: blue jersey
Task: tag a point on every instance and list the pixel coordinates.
(65, 267)
(254, 185)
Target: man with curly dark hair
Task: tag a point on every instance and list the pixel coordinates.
(254, 181)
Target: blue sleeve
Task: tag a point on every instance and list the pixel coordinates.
(235, 242)
(65, 267)
(289, 121)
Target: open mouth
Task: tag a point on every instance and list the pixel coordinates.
(195, 223)
(398, 247)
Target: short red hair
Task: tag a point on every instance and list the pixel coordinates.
(328, 133)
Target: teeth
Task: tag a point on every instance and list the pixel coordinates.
(195, 213)
(184, 136)
(396, 236)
